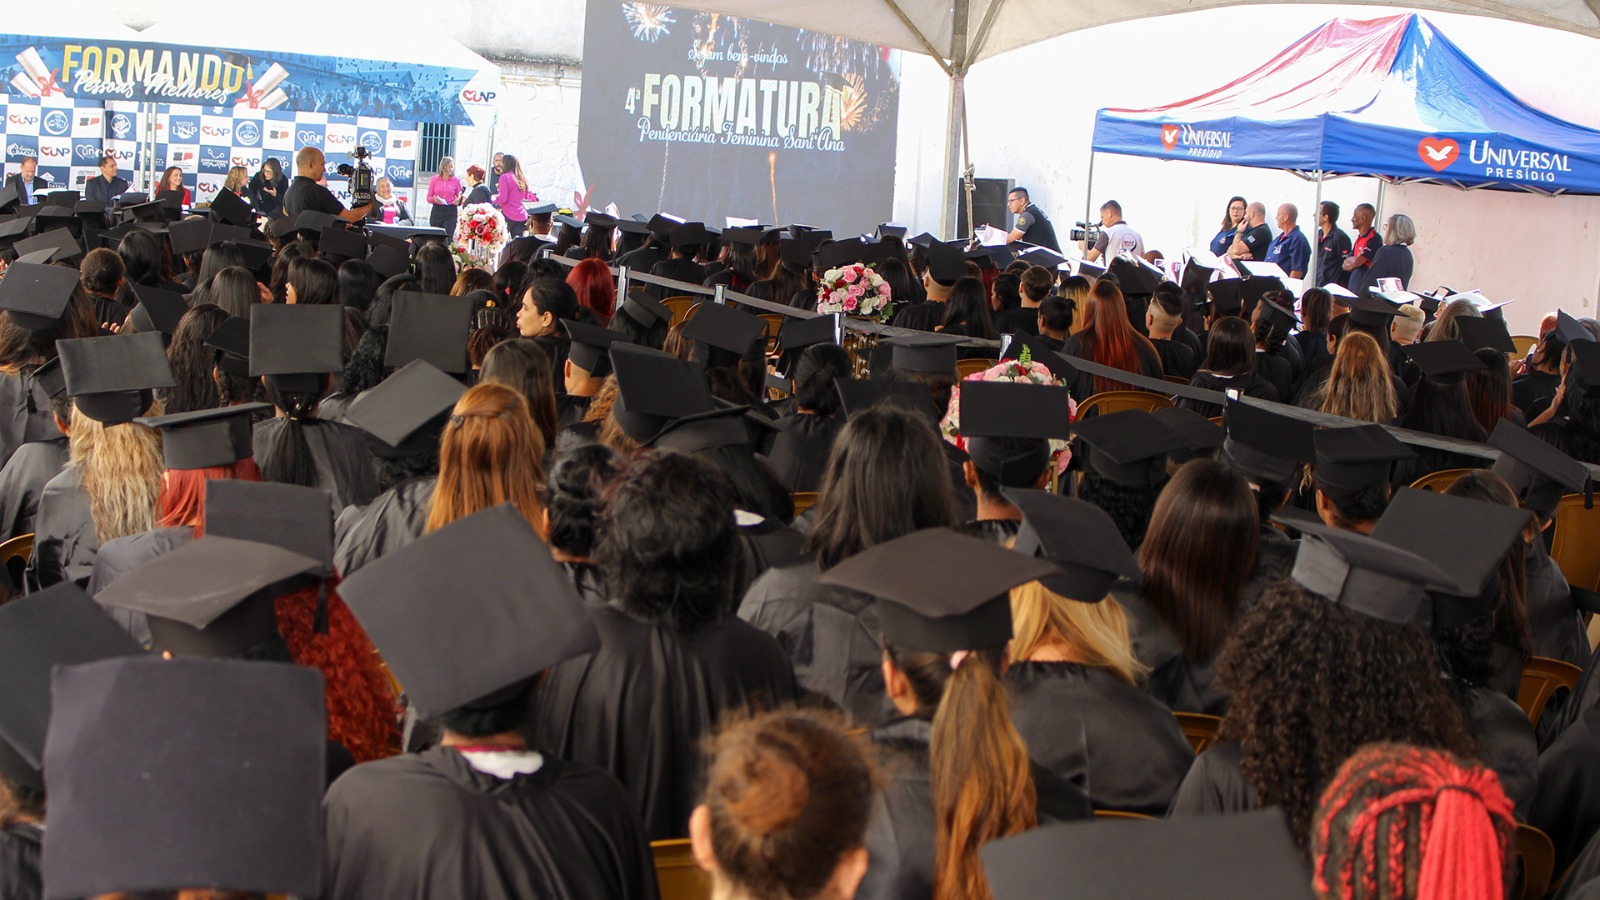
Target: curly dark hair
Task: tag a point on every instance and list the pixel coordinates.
(1312, 682)
(578, 479)
(1129, 507)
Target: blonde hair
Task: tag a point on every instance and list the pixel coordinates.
(238, 177)
(1097, 632)
(121, 469)
(1358, 385)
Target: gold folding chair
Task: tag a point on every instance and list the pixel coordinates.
(1199, 728)
(680, 307)
(1118, 401)
(1439, 481)
(1538, 855)
(965, 367)
(803, 500)
(1524, 343)
(1576, 544)
(1541, 678)
(678, 876)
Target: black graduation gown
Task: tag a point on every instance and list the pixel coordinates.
(639, 706)
(393, 520)
(900, 833)
(1567, 804)
(1251, 384)
(1214, 785)
(333, 407)
(430, 825)
(1177, 358)
(124, 554)
(763, 544)
(800, 449)
(643, 259)
(997, 530)
(685, 270)
(65, 540)
(21, 847)
(339, 453)
(830, 634)
(1082, 385)
(1137, 754)
(1183, 684)
(1534, 390)
(1021, 321)
(1275, 554)
(570, 409)
(1506, 745)
(1557, 626)
(22, 481)
(19, 423)
(920, 317)
(1583, 882)
(1277, 371)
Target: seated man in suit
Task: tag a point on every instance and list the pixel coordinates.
(29, 185)
(108, 185)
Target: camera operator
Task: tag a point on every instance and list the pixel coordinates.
(1116, 236)
(304, 193)
(1032, 227)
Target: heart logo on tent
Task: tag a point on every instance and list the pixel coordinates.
(1438, 153)
(1169, 136)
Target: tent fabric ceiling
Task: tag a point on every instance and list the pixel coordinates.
(997, 26)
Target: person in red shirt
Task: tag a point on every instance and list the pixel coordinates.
(1364, 247)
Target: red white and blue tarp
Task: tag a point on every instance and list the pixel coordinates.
(1390, 97)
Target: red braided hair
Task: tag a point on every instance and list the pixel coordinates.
(1402, 822)
(182, 500)
(363, 712)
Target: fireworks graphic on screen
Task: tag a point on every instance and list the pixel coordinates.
(648, 21)
(855, 102)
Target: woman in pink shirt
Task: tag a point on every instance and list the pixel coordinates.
(511, 193)
(443, 190)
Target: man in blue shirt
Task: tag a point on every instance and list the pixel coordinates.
(1290, 250)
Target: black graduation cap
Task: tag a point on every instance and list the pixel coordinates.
(39, 257)
(1231, 857)
(254, 253)
(294, 346)
(843, 253)
(543, 209)
(718, 428)
(49, 378)
(639, 306)
(1129, 447)
(456, 643)
(203, 438)
(798, 334)
(61, 240)
(891, 230)
(654, 389)
(1201, 436)
(210, 597)
(337, 240)
(10, 195)
(1373, 312)
(744, 237)
(405, 413)
(1466, 538)
(1253, 290)
(1265, 445)
(568, 220)
(1028, 414)
(928, 354)
(1571, 330)
(1278, 317)
(1196, 277)
(284, 228)
(1538, 472)
(36, 296)
(858, 396)
(94, 210)
(61, 199)
(591, 346)
(1080, 538)
(631, 226)
(231, 340)
(1225, 296)
(685, 234)
(389, 261)
(190, 235)
(724, 335)
(157, 310)
(1042, 256)
(1444, 362)
(111, 378)
(147, 211)
(595, 219)
(12, 229)
(795, 253)
(1480, 332)
(923, 240)
(1363, 574)
(661, 226)
(1586, 364)
(1358, 457)
(432, 327)
(945, 264)
(228, 207)
(1133, 278)
(940, 591)
(59, 626)
(998, 256)
(288, 516)
(167, 774)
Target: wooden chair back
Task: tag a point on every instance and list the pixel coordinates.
(1119, 814)
(678, 876)
(1575, 545)
(1118, 401)
(1524, 343)
(680, 307)
(1538, 857)
(1199, 728)
(1439, 481)
(803, 500)
(965, 367)
(14, 555)
(1541, 678)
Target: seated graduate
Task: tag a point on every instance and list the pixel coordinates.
(791, 282)
(1055, 321)
(1572, 425)
(58, 626)
(806, 435)
(519, 364)
(403, 418)
(1008, 427)
(1074, 677)
(1533, 390)
(959, 773)
(489, 454)
(945, 267)
(732, 347)
(35, 463)
(573, 496)
(229, 346)
(1109, 338)
(1329, 660)
(588, 363)
(1195, 562)
(1353, 472)
(546, 303)
(1269, 450)
(245, 824)
(966, 313)
(295, 349)
(1277, 357)
(687, 240)
(1162, 319)
(42, 305)
(1127, 465)
(1356, 384)
(1408, 822)
(1230, 365)
(483, 814)
(928, 360)
(885, 479)
(113, 474)
(672, 656)
(1471, 629)
(1438, 405)
(641, 319)
(1373, 317)
(785, 812)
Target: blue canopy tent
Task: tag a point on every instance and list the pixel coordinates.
(1390, 98)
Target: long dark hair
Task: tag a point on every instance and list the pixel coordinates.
(819, 368)
(1110, 339)
(21, 347)
(886, 477)
(192, 361)
(315, 282)
(904, 288)
(789, 285)
(234, 290)
(291, 461)
(1581, 405)
(520, 363)
(1198, 552)
(968, 308)
(358, 281)
(1316, 307)
(1312, 681)
(1442, 409)
(667, 541)
(597, 242)
(279, 277)
(1230, 347)
(435, 269)
(1489, 389)
(141, 258)
(1512, 625)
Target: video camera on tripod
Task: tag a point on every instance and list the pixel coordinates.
(362, 180)
(1088, 232)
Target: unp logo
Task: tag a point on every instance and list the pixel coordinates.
(248, 133)
(57, 123)
(310, 138)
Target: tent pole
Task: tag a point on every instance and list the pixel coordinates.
(1379, 217)
(1316, 248)
(959, 14)
(1088, 193)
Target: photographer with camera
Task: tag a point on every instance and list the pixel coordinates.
(304, 193)
(1115, 236)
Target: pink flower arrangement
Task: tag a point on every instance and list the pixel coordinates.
(481, 234)
(1022, 369)
(855, 289)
